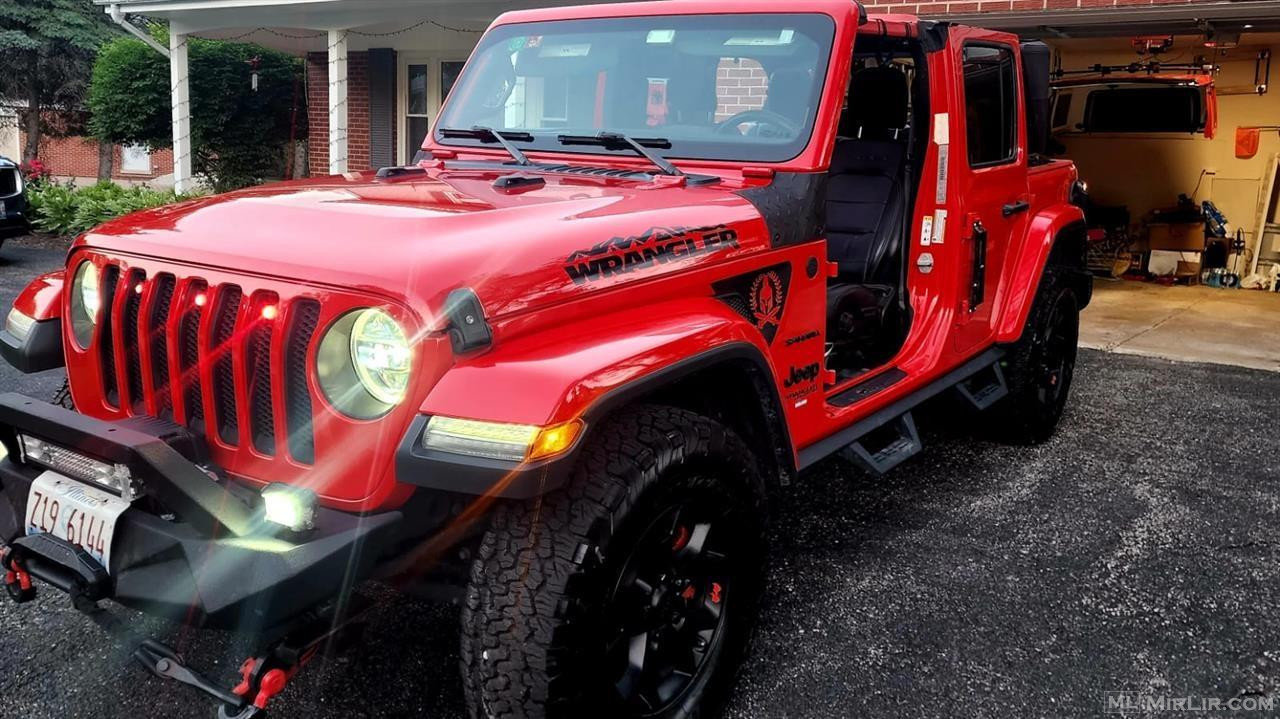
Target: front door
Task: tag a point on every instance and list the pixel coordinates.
(993, 180)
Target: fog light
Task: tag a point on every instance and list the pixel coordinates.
(19, 325)
(114, 477)
(291, 507)
(4, 452)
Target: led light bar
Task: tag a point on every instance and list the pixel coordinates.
(498, 440)
(114, 478)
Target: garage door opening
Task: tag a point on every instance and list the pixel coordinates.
(1178, 140)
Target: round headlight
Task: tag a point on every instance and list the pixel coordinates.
(86, 301)
(381, 355)
(364, 362)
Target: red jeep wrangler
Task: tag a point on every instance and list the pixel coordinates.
(652, 261)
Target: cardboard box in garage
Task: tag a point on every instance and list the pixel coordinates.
(1176, 236)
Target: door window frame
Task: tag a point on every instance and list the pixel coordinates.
(1017, 150)
(435, 66)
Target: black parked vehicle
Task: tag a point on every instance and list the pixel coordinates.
(13, 200)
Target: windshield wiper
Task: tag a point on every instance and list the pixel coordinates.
(484, 133)
(619, 141)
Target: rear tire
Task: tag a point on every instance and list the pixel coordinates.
(1040, 365)
(62, 397)
(599, 599)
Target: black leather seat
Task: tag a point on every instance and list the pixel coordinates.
(864, 206)
(864, 189)
(865, 200)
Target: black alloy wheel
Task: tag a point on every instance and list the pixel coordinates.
(667, 612)
(1040, 366)
(631, 592)
(1057, 353)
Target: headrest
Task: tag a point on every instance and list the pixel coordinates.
(878, 102)
(790, 93)
(867, 157)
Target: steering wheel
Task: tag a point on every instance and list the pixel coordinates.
(761, 118)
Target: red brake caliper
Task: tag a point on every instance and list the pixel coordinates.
(682, 538)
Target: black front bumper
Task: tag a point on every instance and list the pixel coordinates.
(215, 563)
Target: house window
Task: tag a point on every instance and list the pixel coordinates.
(135, 160)
(991, 104)
(449, 71)
(417, 120)
(555, 102)
(423, 83)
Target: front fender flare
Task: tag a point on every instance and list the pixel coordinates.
(575, 371)
(40, 348)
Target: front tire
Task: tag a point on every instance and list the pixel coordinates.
(1041, 364)
(633, 591)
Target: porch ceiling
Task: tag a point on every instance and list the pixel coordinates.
(220, 17)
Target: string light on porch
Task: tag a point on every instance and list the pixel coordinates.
(312, 36)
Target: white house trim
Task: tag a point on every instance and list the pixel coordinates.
(337, 102)
(180, 92)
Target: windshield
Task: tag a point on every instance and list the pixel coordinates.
(723, 87)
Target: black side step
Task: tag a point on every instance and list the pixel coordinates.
(871, 385)
(985, 388)
(837, 441)
(898, 442)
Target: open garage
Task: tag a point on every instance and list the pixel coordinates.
(1170, 114)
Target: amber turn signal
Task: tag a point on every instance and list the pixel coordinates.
(555, 439)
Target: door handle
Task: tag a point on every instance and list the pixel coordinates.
(1014, 208)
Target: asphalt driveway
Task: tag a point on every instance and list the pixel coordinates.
(20, 260)
(1136, 551)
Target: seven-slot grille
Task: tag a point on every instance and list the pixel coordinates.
(164, 336)
(8, 181)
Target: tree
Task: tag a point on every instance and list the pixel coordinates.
(238, 134)
(48, 47)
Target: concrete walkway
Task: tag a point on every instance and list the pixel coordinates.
(1190, 324)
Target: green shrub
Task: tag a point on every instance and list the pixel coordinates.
(62, 209)
(240, 136)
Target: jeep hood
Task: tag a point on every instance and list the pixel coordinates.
(417, 238)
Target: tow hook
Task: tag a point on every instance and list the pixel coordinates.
(261, 677)
(264, 676)
(166, 664)
(17, 582)
(261, 683)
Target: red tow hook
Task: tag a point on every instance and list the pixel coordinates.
(246, 677)
(273, 682)
(270, 682)
(17, 582)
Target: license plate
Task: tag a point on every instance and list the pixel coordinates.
(82, 515)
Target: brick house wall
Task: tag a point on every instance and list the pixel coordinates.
(972, 6)
(357, 112)
(741, 85)
(77, 157)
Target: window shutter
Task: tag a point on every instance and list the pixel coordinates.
(382, 107)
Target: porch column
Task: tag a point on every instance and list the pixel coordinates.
(337, 102)
(180, 98)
